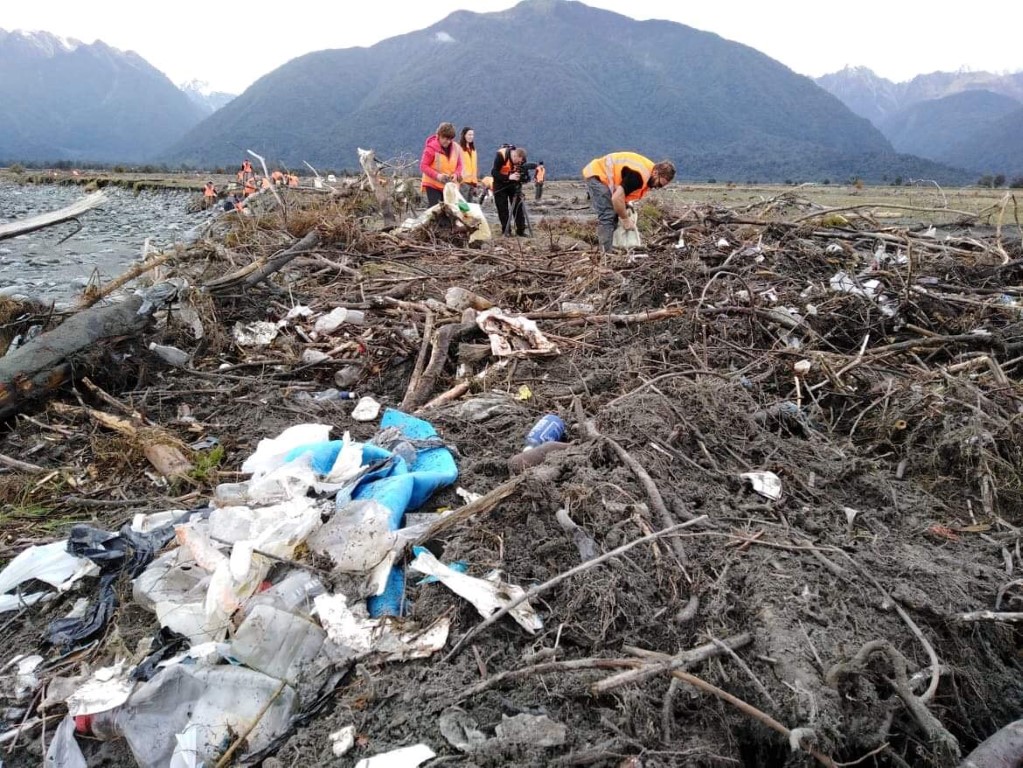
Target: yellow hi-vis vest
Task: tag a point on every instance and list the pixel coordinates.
(469, 166)
(609, 170)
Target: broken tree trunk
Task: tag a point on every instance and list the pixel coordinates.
(43, 220)
(259, 270)
(41, 367)
(368, 161)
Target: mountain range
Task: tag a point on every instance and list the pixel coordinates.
(565, 80)
(972, 120)
(63, 99)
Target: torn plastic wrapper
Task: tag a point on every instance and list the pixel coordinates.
(66, 632)
(404, 757)
(486, 596)
(108, 687)
(392, 639)
(767, 484)
(49, 563)
(514, 335)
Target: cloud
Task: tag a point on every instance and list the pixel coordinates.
(444, 37)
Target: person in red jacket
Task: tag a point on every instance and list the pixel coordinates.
(440, 162)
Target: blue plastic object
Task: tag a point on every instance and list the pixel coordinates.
(394, 483)
(549, 429)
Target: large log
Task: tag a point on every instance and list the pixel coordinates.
(46, 363)
(15, 228)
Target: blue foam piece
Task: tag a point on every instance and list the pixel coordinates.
(324, 454)
(388, 603)
(396, 485)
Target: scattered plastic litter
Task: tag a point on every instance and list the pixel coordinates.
(767, 484)
(405, 757)
(486, 595)
(258, 334)
(366, 409)
(342, 741)
(514, 335)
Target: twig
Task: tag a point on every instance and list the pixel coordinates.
(752, 711)
(649, 486)
(23, 466)
(484, 503)
(226, 757)
(553, 582)
(659, 663)
(1008, 616)
(417, 370)
(745, 668)
(543, 668)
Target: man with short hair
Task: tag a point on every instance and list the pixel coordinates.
(508, 188)
(617, 179)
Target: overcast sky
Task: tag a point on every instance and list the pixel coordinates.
(230, 44)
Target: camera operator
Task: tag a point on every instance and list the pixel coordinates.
(509, 175)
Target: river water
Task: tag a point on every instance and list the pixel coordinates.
(37, 265)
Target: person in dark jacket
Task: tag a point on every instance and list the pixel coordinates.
(508, 188)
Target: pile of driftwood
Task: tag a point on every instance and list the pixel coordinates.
(793, 459)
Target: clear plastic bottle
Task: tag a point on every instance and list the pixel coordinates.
(170, 355)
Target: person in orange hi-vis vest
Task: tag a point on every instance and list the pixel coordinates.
(507, 175)
(247, 169)
(539, 176)
(278, 177)
(470, 166)
(440, 163)
(617, 179)
(209, 195)
(250, 186)
(292, 180)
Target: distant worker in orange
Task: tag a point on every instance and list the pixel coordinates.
(440, 162)
(538, 178)
(209, 195)
(247, 171)
(278, 178)
(470, 168)
(617, 179)
(250, 186)
(265, 183)
(292, 180)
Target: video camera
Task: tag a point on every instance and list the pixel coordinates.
(524, 170)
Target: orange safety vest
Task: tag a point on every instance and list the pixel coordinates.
(278, 177)
(541, 174)
(250, 186)
(292, 180)
(209, 191)
(443, 164)
(508, 166)
(469, 166)
(609, 170)
(246, 166)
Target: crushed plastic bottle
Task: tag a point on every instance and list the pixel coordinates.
(549, 429)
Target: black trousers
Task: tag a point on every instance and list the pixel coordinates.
(434, 196)
(511, 196)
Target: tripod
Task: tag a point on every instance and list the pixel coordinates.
(517, 202)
